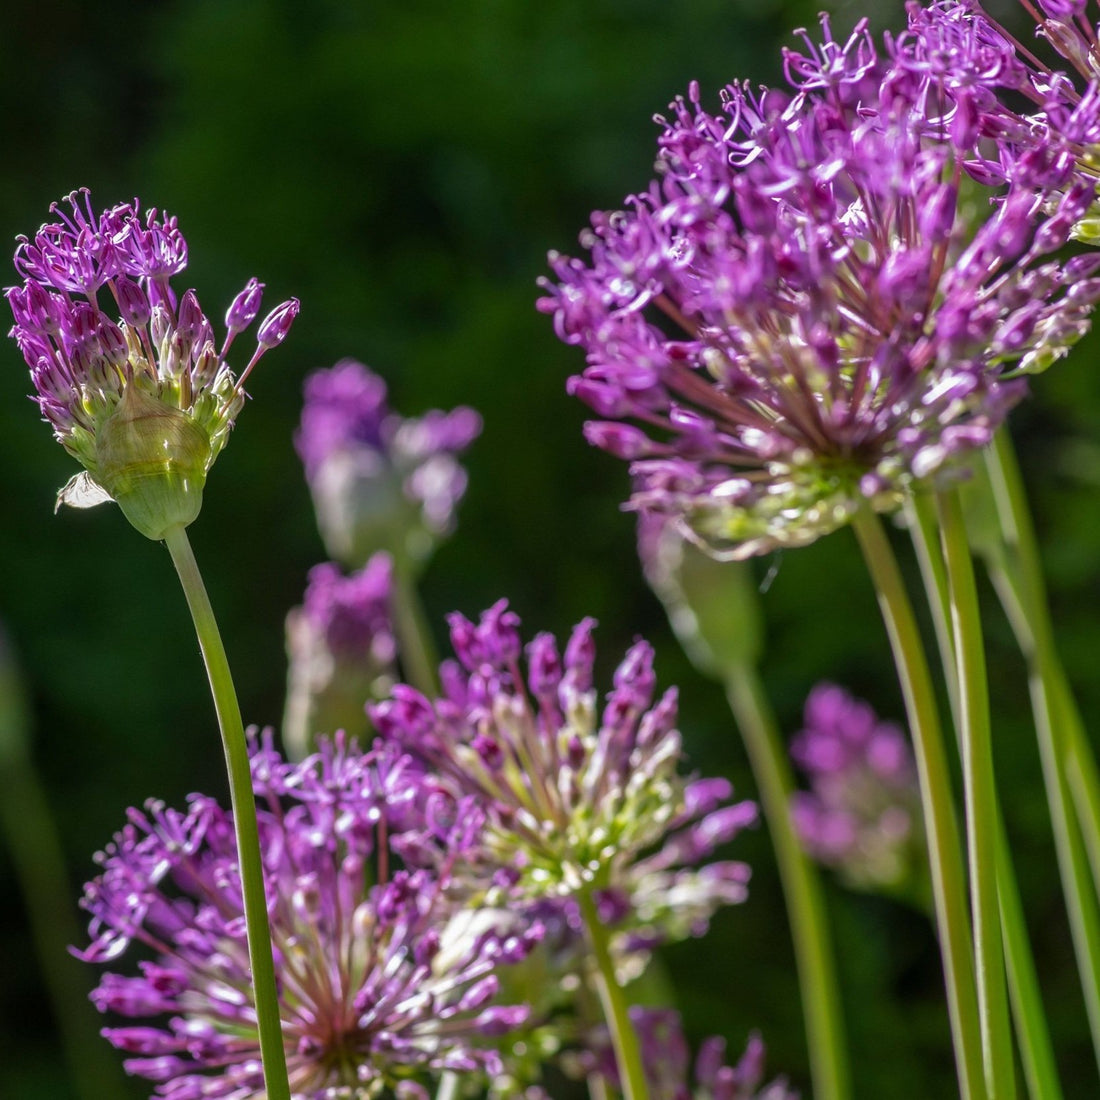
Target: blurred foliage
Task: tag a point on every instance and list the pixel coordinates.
(403, 170)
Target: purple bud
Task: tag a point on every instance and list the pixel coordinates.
(276, 325)
(132, 302)
(244, 308)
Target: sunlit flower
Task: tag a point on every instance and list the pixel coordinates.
(374, 992)
(800, 319)
(144, 399)
(579, 800)
(380, 481)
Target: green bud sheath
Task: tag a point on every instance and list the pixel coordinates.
(152, 459)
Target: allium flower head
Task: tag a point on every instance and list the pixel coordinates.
(341, 649)
(579, 798)
(668, 1067)
(373, 992)
(380, 481)
(862, 812)
(128, 373)
(798, 319)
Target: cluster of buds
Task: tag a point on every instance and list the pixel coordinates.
(144, 400)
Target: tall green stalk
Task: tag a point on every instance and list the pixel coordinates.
(243, 800)
(418, 657)
(1017, 576)
(624, 1041)
(980, 799)
(1036, 1049)
(801, 885)
(941, 828)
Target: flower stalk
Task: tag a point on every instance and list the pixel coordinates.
(980, 798)
(948, 881)
(801, 885)
(244, 813)
(628, 1056)
(1036, 1049)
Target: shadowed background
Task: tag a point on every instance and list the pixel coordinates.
(403, 172)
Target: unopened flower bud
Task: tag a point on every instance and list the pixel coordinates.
(277, 324)
(243, 309)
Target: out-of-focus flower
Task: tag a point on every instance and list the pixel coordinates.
(341, 649)
(862, 813)
(380, 481)
(145, 401)
(668, 1069)
(373, 993)
(578, 800)
(799, 319)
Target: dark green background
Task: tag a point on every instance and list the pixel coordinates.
(403, 169)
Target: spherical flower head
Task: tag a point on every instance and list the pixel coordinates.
(862, 813)
(341, 651)
(668, 1065)
(372, 994)
(579, 799)
(138, 392)
(380, 481)
(798, 320)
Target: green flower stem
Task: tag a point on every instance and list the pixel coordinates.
(628, 1056)
(980, 799)
(801, 884)
(1022, 560)
(1014, 572)
(244, 814)
(941, 828)
(418, 657)
(1036, 1049)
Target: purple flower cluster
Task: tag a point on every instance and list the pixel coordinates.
(579, 800)
(379, 480)
(800, 318)
(668, 1069)
(146, 393)
(376, 988)
(341, 649)
(862, 812)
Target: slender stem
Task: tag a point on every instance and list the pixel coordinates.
(628, 1056)
(1036, 1049)
(940, 825)
(418, 656)
(244, 815)
(1022, 558)
(1069, 845)
(801, 885)
(980, 799)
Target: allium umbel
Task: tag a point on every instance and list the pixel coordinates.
(380, 481)
(128, 373)
(579, 799)
(374, 990)
(799, 318)
(862, 812)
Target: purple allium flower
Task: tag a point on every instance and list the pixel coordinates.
(667, 1059)
(379, 480)
(799, 318)
(862, 813)
(341, 649)
(375, 989)
(578, 799)
(144, 400)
